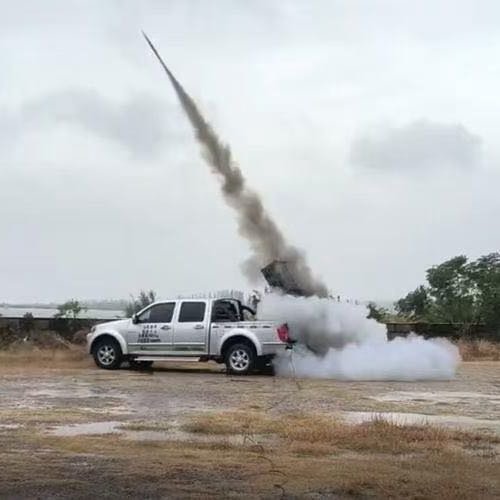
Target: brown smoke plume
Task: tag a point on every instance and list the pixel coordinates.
(254, 223)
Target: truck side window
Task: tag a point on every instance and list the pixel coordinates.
(159, 313)
(192, 312)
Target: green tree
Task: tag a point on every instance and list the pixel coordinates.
(376, 312)
(453, 291)
(485, 272)
(27, 322)
(67, 315)
(458, 291)
(140, 302)
(71, 309)
(415, 305)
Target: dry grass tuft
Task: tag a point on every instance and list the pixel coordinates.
(231, 423)
(479, 350)
(321, 434)
(383, 436)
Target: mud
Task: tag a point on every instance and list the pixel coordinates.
(60, 424)
(173, 393)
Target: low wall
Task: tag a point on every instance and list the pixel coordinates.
(63, 326)
(452, 331)
(67, 327)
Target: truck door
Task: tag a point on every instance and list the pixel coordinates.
(153, 331)
(191, 328)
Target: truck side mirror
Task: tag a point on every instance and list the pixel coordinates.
(135, 320)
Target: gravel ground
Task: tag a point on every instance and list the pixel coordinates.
(57, 424)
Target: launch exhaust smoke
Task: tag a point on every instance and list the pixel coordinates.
(354, 347)
(266, 240)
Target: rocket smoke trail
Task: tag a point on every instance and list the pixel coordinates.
(353, 347)
(254, 223)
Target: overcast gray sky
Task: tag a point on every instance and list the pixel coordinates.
(369, 127)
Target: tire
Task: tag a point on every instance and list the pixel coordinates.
(240, 359)
(107, 354)
(140, 365)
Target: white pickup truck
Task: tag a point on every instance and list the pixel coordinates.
(187, 329)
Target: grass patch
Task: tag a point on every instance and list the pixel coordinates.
(27, 356)
(320, 434)
(479, 350)
(383, 436)
(184, 471)
(50, 416)
(231, 423)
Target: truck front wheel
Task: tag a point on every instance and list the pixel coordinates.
(107, 353)
(240, 359)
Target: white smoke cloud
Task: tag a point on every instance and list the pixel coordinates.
(352, 346)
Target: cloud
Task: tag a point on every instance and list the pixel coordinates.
(419, 145)
(82, 160)
(139, 124)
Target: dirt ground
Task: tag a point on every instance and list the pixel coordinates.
(73, 431)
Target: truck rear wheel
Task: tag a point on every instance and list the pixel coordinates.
(107, 353)
(240, 359)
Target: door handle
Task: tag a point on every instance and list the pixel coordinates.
(198, 327)
(166, 327)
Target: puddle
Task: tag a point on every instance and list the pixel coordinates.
(86, 429)
(436, 397)
(74, 392)
(174, 434)
(77, 392)
(29, 406)
(358, 417)
(9, 426)
(181, 436)
(108, 410)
